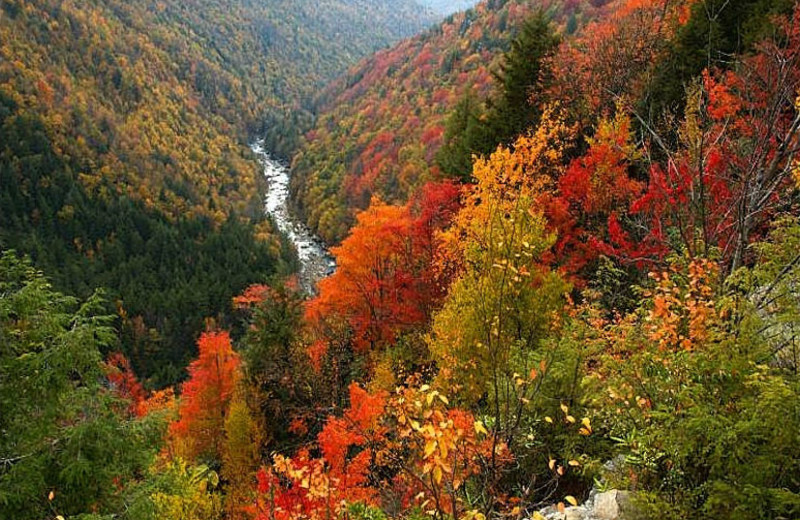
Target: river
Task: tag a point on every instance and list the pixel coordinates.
(315, 261)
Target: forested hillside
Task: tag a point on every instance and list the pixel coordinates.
(122, 145)
(571, 293)
(448, 6)
(380, 126)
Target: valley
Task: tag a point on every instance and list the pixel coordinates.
(399, 260)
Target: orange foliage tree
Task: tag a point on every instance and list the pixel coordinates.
(205, 397)
(384, 284)
(408, 447)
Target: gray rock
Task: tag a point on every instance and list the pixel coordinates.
(611, 505)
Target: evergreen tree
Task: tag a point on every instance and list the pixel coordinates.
(67, 446)
(512, 110)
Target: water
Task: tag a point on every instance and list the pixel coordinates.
(315, 261)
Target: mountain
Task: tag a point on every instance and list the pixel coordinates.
(123, 128)
(446, 7)
(380, 126)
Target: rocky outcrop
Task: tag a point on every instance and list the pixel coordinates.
(610, 505)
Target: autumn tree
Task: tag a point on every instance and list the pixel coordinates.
(492, 338)
(384, 285)
(199, 433)
(738, 145)
(684, 388)
(409, 445)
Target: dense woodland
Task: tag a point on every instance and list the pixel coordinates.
(567, 261)
(123, 157)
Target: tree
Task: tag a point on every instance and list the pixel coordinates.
(67, 446)
(492, 339)
(240, 458)
(738, 146)
(384, 285)
(707, 427)
(199, 433)
(522, 76)
(515, 107)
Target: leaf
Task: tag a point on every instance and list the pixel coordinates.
(51, 496)
(538, 516)
(549, 420)
(565, 409)
(480, 428)
(437, 474)
(552, 464)
(430, 448)
(574, 463)
(571, 500)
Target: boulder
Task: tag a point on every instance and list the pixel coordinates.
(611, 505)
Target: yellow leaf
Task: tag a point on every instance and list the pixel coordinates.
(564, 408)
(444, 400)
(548, 419)
(424, 388)
(571, 500)
(574, 463)
(552, 464)
(561, 507)
(570, 419)
(538, 516)
(51, 496)
(437, 474)
(480, 428)
(430, 448)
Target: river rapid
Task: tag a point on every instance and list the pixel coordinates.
(315, 261)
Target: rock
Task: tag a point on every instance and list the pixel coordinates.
(575, 513)
(611, 505)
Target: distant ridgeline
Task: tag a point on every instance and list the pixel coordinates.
(448, 6)
(123, 128)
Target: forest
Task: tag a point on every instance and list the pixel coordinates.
(123, 146)
(566, 237)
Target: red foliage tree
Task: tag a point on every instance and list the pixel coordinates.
(123, 381)
(384, 283)
(205, 398)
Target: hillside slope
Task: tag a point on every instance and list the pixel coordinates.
(448, 6)
(122, 133)
(382, 124)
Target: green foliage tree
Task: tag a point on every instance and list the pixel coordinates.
(513, 109)
(692, 391)
(67, 446)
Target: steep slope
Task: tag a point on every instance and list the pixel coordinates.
(122, 143)
(382, 124)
